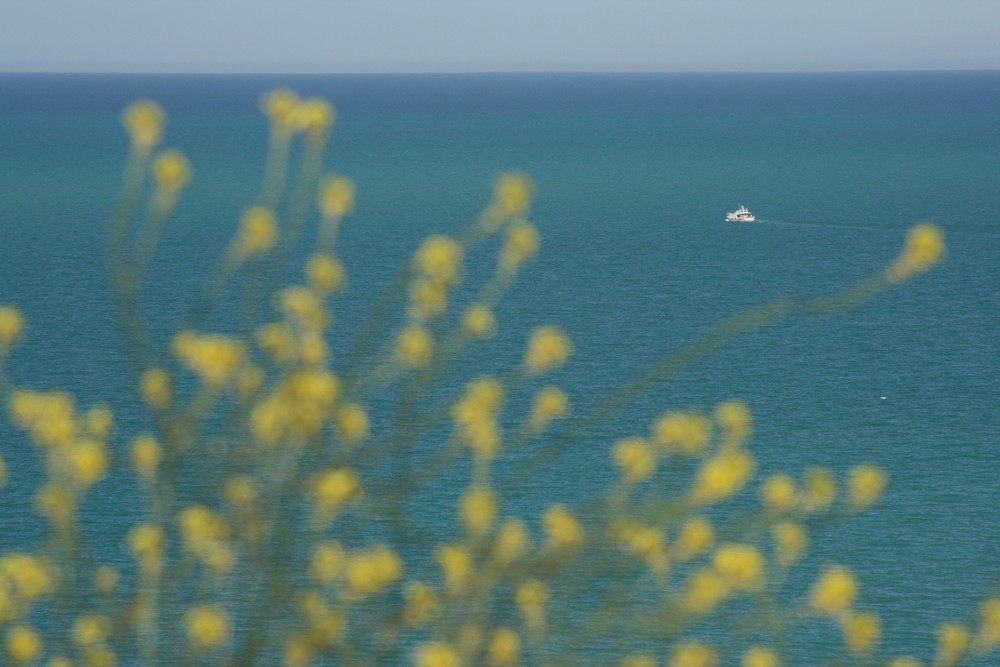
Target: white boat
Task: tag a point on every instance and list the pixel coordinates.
(740, 215)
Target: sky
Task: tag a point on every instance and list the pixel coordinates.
(509, 35)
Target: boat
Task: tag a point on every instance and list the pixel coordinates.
(742, 214)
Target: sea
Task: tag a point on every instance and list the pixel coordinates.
(634, 174)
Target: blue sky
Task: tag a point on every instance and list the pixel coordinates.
(512, 35)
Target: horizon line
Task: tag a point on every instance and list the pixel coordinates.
(431, 72)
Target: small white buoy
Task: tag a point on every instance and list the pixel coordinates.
(882, 398)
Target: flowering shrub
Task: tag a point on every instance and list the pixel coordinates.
(278, 483)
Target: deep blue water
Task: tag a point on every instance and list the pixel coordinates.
(634, 175)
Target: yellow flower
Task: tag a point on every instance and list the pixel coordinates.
(820, 490)
(861, 631)
(646, 542)
(511, 542)
(439, 259)
(695, 538)
(437, 654)
(550, 403)
(325, 272)
(904, 662)
(456, 563)
(205, 533)
(143, 121)
(207, 627)
(988, 636)
(299, 651)
(370, 572)
(414, 347)
(57, 502)
(352, 420)
(27, 576)
(303, 306)
(336, 196)
(87, 462)
(531, 597)
(779, 493)
(521, 244)
(280, 105)
(155, 388)
(505, 647)
(315, 115)
(479, 506)
(23, 644)
(741, 564)
(693, 654)
(790, 541)
(3, 472)
(735, 420)
(478, 321)
(548, 348)
(635, 458)
(866, 483)
(332, 489)
(215, 359)
(722, 475)
(146, 543)
(688, 432)
(561, 528)
(952, 643)
(512, 194)
(171, 171)
(705, 589)
(486, 392)
(923, 249)
(11, 325)
(258, 231)
(760, 656)
(421, 603)
(475, 416)
(146, 455)
(834, 592)
(90, 629)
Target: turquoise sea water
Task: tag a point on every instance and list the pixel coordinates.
(634, 176)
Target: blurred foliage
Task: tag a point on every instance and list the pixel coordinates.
(278, 482)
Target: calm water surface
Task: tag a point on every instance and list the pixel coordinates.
(634, 176)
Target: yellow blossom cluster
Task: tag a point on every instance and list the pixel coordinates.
(213, 358)
(923, 249)
(286, 471)
(476, 416)
(144, 121)
(332, 490)
(437, 268)
(297, 408)
(24, 579)
(548, 348)
(289, 113)
(206, 536)
(11, 325)
(373, 570)
(75, 447)
(207, 627)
